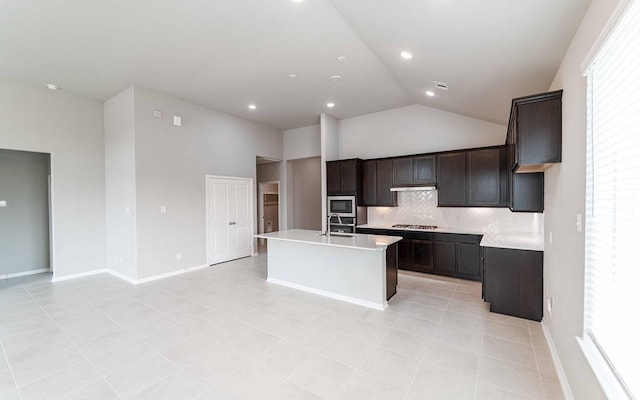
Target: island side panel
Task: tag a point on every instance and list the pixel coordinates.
(349, 274)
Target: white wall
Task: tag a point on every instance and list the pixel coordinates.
(564, 198)
(70, 128)
(329, 151)
(302, 142)
(414, 129)
(120, 184)
(171, 164)
(306, 199)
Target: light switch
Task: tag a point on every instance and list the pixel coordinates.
(579, 222)
(550, 237)
(157, 113)
(177, 120)
(163, 209)
(3, 203)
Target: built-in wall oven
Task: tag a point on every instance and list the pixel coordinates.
(342, 213)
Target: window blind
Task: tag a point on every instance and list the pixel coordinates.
(612, 243)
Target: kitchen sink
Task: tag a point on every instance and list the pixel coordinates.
(343, 235)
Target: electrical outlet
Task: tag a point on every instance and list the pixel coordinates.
(163, 209)
(550, 237)
(121, 260)
(178, 256)
(550, 305)
(157, 113)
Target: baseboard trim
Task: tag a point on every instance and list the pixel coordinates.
(156, 277)
(562, 377)
(122, 276)
(80, 275)
(336, 296)
(25, 273)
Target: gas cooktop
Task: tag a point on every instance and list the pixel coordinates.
(407, 226)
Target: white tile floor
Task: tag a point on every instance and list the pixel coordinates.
(224, 333)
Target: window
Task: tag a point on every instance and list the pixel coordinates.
(612, 274)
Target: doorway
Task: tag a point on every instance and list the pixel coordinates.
(229, 211)
(268, 208)
(25, 213)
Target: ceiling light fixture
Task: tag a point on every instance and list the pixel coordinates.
(297, 1)
(330, 105)
(341, 58)
(441, 85)
(430, 93)
(252, 107)
(51, 86)
(335, 78)
(406, 55)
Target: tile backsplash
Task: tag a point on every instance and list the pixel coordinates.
(421, 207)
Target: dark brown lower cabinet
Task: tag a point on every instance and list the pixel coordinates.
(512, 282)
(458, 255)
(441, 253)
(392, 270)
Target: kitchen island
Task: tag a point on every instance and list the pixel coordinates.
(356, 268)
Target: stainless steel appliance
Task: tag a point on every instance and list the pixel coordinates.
(343, 206)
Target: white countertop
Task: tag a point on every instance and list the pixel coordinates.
(505, 240)
(464, 231)
(515, 240)
(357, 240)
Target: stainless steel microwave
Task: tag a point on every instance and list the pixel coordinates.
(344, 206)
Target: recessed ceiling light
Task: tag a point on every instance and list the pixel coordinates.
(293, 76)
(430, 93)
(335, 78)
(341, 58)
(297, 1)
(252, 107)
(51, 86)
(330, 105)
(406, 55)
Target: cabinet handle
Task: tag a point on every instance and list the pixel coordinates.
(232, 223)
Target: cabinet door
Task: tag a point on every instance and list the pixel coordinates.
(333, 177)
(526, 192)
(513, 282)
(392, 270)
(445, 256)
(422, 255)
(349, 176)
(384, 181)
(539, 134)
(468, 259)
(404, 254)
(403, 171)
(424, 170)
(485, 184)
(369, 171)
(452, 179)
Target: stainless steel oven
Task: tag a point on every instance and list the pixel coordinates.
(344, 206)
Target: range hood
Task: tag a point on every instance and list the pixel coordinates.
(425, 188)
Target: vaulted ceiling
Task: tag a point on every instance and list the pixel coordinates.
(227, 54)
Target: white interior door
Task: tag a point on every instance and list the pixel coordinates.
(228, 219)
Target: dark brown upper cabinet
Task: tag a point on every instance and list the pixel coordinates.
(403, 171)
(344, 178)
(487, 177)
(377, 179)
(452, 179)
(535, 126)
(414, 171)
(424, 170)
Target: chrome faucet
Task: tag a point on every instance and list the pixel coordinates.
(329, 223)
